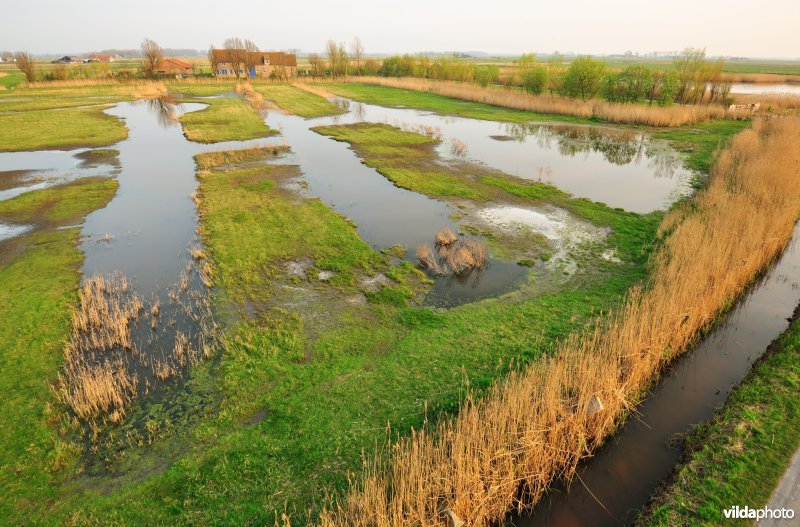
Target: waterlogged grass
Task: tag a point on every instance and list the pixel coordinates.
(225, 119)
(409, 160)
(400, 98)
(38, 280)
(739, 457)
(313, 370)
(297, 101)
(701, 141)
(59, 129)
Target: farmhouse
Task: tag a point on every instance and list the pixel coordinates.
(66, 59)
(99, 57)
(173, 66)
(254, 63)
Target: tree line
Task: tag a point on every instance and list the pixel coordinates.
(693, 78)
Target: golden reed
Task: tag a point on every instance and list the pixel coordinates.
(675, 115)
(501, 452)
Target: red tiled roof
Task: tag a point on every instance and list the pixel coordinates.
(275, 58)
(167, 62)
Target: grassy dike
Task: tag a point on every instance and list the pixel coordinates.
(739, 456)
(39, 275)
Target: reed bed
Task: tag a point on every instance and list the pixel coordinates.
(762, 78)
(660, 116)
(771, 102)
(503, 451)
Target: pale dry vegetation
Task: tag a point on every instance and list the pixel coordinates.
(253, 98)
(452, 255)
(503, 451)
(762, 78)
(771, 102)
(628, 113)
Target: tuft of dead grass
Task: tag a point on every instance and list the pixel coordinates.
(253, 98)
(502, 452)
(661, 116)
(452, 256)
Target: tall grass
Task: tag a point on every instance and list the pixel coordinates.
(662, 116)
(501, 452)
(762, 78)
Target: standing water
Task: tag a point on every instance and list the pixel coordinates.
(611, 488)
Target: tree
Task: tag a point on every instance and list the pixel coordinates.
(535, 80)
(26, 65)
(251, 56)
(332, 49)
(342, 60)
(357, 51)
(583, 78)
(555, 74)
(237, 55)
(689, 66)
(152, 54)
(487, 74)
(212, 59)
(632, 84)
(317, 65)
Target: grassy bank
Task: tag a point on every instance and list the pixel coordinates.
(297, 101)
(738, 457)
(225, 119)
(538, 424)
(402, 98)
(633, 114)
(59, 129)
(39, 274)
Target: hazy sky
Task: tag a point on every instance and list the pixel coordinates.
(768, 28)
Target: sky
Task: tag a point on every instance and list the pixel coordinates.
(766, 29)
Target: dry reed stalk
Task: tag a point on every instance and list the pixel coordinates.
(95, 389)
(427, 259)
(502, 452)
(316, 90)
(762, 78)
(445, 236)
(458, 147)
(661, 116)
(253, 98)
(770, 102)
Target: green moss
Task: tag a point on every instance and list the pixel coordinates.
(739, 456)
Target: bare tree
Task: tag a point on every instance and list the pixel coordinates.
(342, 60)
(333, 56)
(357, 51)
(26, 65)
(212, 59)
(237, 55)
(153, 54)
(251, 57)
(317, 65)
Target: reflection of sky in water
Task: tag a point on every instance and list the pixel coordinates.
(9, 231)
(619, 167)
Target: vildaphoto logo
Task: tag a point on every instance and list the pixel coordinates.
(746, 513)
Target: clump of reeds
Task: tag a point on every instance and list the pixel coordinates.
(253, 98)
(453, 256)
(95, 389)
(458, 147)
(445, 237)
(675, 115)
(503, 451)
(107, 309)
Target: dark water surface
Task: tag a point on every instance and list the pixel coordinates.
(627, 470)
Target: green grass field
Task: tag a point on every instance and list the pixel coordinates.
(297, 101)
(739, 456)
(39, 274)
(225, 119)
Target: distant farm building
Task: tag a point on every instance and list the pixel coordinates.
(173, 66)
(98, 57)
(254, 63)
(66, 59)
